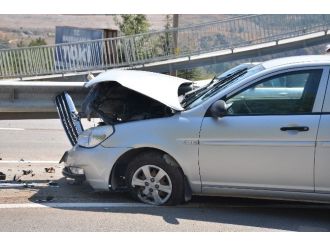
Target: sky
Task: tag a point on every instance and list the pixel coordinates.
(166, 6)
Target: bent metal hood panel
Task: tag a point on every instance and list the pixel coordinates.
(163, 88)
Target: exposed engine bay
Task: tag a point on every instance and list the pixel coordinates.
(130, 96)
(114, 103)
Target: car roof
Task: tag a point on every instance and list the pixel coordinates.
(295, 60)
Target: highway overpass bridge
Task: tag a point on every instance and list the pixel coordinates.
(170, 49)
(164, 51)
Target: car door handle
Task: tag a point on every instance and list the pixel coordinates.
(297, 128)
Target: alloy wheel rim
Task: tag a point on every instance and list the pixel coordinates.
(152, 184)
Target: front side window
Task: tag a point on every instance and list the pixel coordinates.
(287, 93)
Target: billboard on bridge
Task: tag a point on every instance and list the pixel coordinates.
(80, 55)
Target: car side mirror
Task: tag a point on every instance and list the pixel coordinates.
(219, 109)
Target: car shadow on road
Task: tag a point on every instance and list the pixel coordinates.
(64, 190)
(270, 214)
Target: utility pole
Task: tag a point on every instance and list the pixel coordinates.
(175, 25)
(175, 37)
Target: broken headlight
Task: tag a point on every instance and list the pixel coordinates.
(94, 136)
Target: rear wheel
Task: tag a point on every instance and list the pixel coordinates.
(152, 180)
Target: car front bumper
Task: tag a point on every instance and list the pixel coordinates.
(96, 162)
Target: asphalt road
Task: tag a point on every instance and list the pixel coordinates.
(32, 139)
(38, 144)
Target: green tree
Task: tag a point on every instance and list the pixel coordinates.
(47, 64)
(37, 42)
(20, 62)
(20, 44)
(163, 45)
(195, 74)
(132, 24)
(139, 48)
(167, 39)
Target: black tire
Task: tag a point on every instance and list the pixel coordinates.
(164, 162)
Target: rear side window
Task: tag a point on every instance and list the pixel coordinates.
(287, 93)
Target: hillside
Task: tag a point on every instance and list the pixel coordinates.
(16, 28)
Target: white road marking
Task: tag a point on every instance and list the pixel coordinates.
(10, 185)
(103, 205)
(11, 129)
(29, 161)
(311, 229)
(75, 205)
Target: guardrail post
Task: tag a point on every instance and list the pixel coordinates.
(126, 52)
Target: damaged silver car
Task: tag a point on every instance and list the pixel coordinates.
(120, 98)
(260, 130)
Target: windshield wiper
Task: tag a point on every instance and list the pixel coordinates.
(198, 91)
(229, 77)
(193, 94)
(214, 83)
(225, 80)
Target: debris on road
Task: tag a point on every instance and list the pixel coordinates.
(2, 176)
(48, 199)
(27, 172)
(50, 169)
(17, 178)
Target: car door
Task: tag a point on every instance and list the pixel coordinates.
(267, 139)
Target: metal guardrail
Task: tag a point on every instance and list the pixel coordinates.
(35, 99)
(157, 46)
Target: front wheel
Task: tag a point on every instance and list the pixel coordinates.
(152, 180)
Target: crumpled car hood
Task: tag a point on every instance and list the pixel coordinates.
(160, 87)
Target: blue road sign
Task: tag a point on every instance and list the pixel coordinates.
(80, 54)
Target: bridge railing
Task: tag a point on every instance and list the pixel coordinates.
(157, 46)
